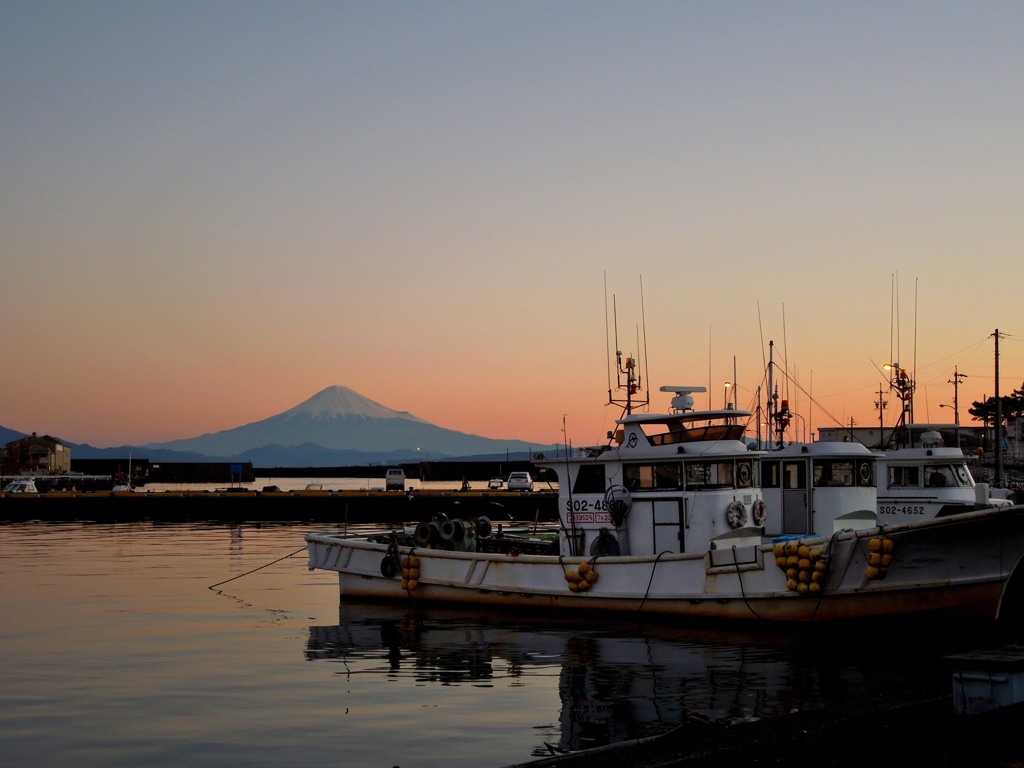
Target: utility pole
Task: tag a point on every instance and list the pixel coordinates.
(955, 381)
(998, 479)
(881, 404)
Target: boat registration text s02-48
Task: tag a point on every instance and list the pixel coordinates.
(587, 511)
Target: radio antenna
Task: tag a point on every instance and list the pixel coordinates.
(607, 339)
(643, 318)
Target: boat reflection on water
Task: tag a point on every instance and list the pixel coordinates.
(623, 681)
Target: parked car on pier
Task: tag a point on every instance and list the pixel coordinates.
(520, 481)
(394, 480)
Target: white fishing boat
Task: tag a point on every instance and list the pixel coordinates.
(670, 519)
(918, 476)
(929, 481)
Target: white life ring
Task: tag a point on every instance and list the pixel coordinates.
(757, 512)
(736, 514)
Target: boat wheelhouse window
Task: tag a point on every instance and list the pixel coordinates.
(637, 476)
(667, 476)
(648, 476)
(794, 475)
(677, 433)
(709, 474)
(589, 479)
(771, 475)
(904, 477)
(940, 476)
(830, 473)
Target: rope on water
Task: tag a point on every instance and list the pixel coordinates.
(291, 554)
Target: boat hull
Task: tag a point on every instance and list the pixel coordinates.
(952, 567)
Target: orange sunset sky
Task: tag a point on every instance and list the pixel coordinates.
(212, 211)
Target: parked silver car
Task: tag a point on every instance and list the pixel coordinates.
(520, 481)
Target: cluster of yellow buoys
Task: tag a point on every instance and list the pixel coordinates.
(582, 578)
(879, 557)
(410, 572)
(805, 566)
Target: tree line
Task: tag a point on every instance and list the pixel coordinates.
(1011, 407)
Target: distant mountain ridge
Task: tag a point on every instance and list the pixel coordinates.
(335, 427)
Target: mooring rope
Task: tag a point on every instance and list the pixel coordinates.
(739, 577)
(650, 581)
(291, 554)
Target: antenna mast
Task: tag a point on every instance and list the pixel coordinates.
(779, 414)
(627, 374)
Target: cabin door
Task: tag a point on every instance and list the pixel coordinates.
(668, 525)
(796, 517)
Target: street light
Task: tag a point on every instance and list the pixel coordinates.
(956, 419)
(728, 384)
(804, 433)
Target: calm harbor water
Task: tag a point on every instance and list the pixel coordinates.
(117, 652)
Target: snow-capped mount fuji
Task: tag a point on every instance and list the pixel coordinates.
(338, 425)
(335, 402)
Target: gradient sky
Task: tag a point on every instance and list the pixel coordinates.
(211, 211)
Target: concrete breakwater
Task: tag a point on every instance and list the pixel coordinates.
(320, 506)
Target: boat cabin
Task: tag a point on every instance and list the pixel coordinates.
(809, 488)
(668, 482)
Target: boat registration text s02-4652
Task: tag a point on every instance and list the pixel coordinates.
(892, 509)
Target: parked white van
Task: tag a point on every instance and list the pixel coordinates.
(394, 480)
